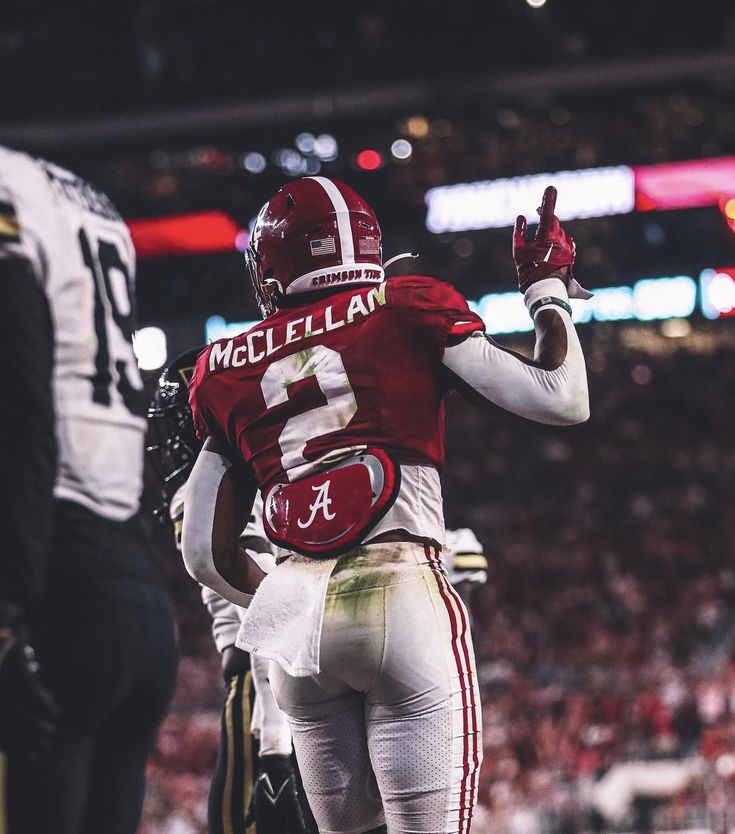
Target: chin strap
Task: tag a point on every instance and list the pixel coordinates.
(399, 257)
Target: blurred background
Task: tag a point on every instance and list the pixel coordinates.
(606, 631)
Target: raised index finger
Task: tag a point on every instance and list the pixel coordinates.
(548, 204)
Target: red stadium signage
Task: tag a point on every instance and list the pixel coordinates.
(185, 234)
(679, 185)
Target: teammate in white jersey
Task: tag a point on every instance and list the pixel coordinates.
(80, 585)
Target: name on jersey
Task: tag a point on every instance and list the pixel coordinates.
(79, 192)
(260, 344)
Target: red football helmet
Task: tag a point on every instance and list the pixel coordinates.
(313, 234)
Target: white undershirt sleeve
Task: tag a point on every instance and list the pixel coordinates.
(225, 618)
(196, 539)
(556, 398)
(269, 724)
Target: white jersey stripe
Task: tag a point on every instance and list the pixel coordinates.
(346, 240)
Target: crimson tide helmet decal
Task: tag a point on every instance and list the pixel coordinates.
(313, 234)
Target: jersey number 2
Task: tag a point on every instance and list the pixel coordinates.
(326, 365)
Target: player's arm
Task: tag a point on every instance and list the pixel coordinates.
(27, 422)
(27, 712)
(219, 499)
(225, 614)
(552, 387)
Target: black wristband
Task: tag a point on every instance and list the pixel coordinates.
(549, 299)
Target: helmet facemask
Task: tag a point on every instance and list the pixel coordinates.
(265, 287)
(175, 446)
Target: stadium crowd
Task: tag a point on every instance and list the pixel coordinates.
(605, 633)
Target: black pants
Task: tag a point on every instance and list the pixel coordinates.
(231, 791)
(232, 781)
(104, 636)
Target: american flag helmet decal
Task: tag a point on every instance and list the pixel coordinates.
(323, 246)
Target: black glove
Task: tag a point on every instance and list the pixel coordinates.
(276, 805)
(234, 662)
(28, 713)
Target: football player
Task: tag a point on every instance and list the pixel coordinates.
(238, 796)
(332, 406)
(465, 563)
(78, 581)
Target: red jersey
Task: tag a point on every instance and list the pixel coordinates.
(360, 367)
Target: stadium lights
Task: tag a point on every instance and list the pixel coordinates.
(401, 150)
(325, 147)
(305, 142)
(150, 348)
(588, 192)
(253, 162)
(368, 160)
(717, 292)
(216, 328)
(676, 328)
(727, 207)
(417, 127)
(495, 204)
(664, 298)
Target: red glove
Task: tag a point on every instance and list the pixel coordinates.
(550, 250)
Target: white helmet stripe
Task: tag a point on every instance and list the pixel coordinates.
(346, 240)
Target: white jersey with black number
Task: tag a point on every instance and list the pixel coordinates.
(81, 253)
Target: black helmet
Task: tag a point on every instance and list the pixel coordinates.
(175, 445)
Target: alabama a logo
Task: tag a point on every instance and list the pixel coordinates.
(322, 503)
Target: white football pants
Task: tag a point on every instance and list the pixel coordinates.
(389, 730)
